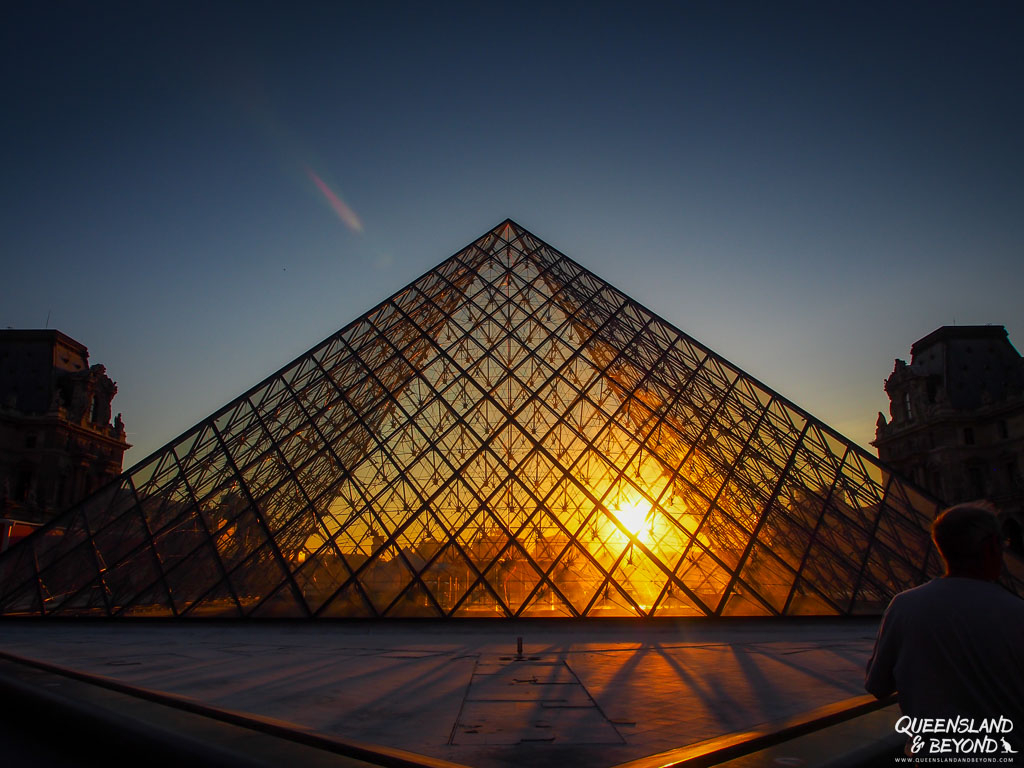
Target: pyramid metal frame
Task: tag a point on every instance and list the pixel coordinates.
(508, 435)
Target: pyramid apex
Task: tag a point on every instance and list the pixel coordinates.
(506, 223)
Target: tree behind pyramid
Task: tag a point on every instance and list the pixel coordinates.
(508, 435)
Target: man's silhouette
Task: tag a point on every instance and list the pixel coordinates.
(955, 646)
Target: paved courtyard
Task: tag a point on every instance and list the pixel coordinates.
(583, 693)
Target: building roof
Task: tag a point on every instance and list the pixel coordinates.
(975, 364)
(50, 335)
(960, 332)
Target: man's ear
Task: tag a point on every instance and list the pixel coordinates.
(994, 556)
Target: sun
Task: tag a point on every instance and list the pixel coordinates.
(633, 515)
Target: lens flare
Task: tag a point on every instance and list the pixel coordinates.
(346, 214)
(632, 515)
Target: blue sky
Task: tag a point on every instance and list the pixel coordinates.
(807, 188)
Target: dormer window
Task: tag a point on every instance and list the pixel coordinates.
(906, 407)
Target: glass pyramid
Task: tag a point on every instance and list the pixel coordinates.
(508, 435)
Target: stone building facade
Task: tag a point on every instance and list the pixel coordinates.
(57, 442)
(957, 419)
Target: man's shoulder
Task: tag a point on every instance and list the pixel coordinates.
(949, 591)
(924, 591)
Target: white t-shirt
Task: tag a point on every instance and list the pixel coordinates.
(953, 647)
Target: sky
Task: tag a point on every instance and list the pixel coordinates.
(202, 191)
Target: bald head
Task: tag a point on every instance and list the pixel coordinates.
(969, 539)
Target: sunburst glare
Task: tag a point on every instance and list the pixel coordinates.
(633, 515)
